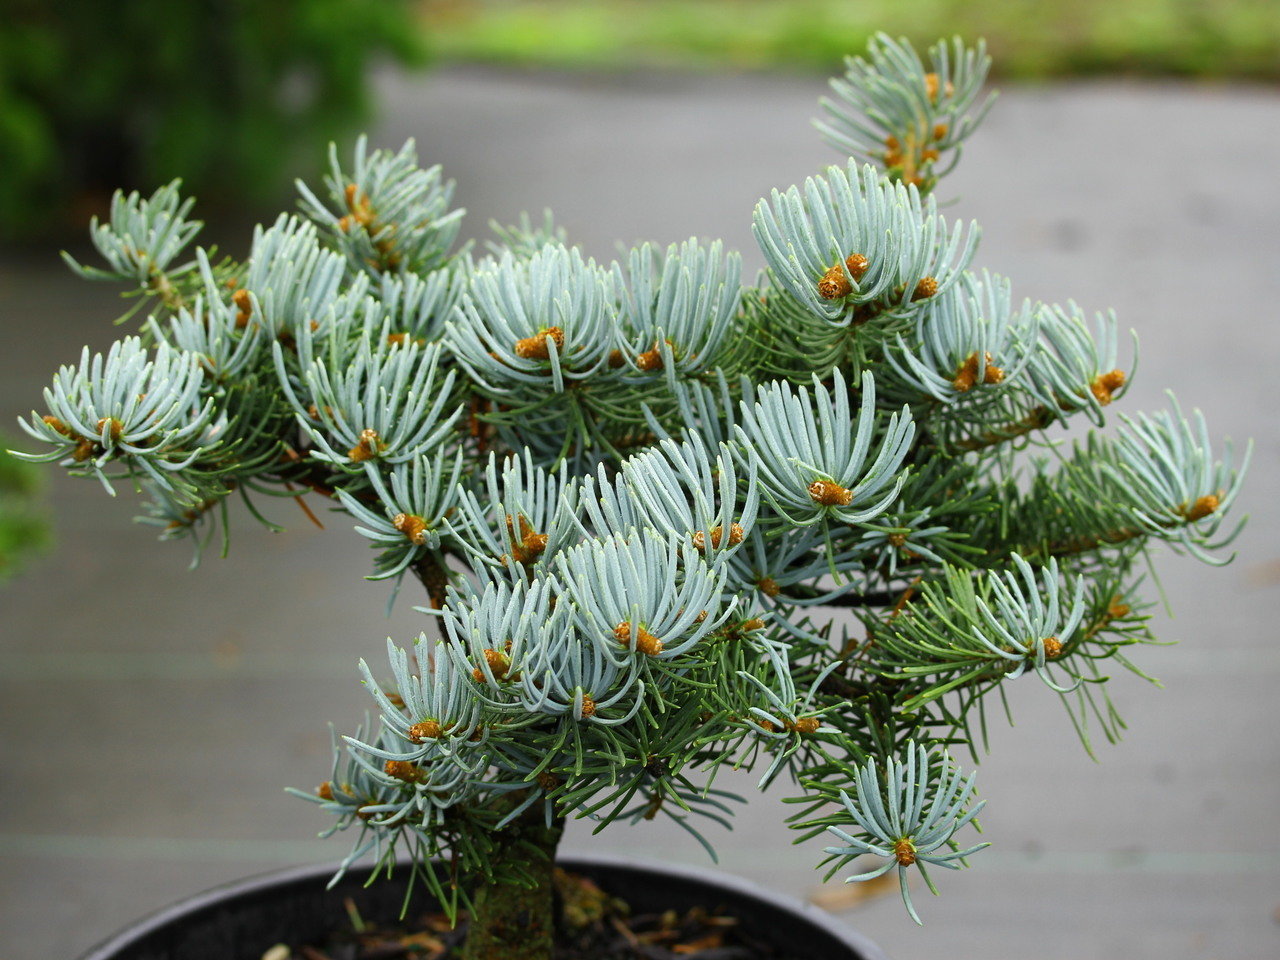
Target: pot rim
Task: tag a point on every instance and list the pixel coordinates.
(249, 886)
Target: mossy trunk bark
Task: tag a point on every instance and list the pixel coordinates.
(513, 918)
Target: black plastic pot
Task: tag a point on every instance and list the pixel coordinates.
(241, 920)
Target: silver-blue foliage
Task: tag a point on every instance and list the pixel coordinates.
(391, 403)
(141, 410)
(387, 214)
(907, 814)
(142, 238)
(890, 109)
(815, 463)
(908, 252)
(637, 492)
(677, 307)
(966, 342)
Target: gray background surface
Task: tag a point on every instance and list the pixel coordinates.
(151, 716)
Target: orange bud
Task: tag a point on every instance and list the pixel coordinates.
(528, 544)
(412, 526)
(116, 428)
(57, 425)
(736, 533)
(967, 375)
(925, 289)
(931, 87)
(834, 284)
(424, 731)
(904, 851)
(856, 264)
(244, 305)
(499, 663)
(402, 770)
(1202, 508)
(649, 360)
(370, 446)
(535, 347)
(1113, 380)
(805, 725)
(533, 544)
(830, 494)
(1107, 384)
(645, 641)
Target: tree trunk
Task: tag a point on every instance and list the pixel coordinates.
(511, 919)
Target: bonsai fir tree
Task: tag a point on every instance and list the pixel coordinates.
(666, 522)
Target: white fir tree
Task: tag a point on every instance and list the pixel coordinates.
(637, 493)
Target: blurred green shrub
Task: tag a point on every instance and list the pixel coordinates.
(1030, 39)
(24, 526)
(231, 95)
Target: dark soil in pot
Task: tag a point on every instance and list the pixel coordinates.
(244, 920)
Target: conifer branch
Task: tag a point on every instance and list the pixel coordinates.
(1036, 419)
